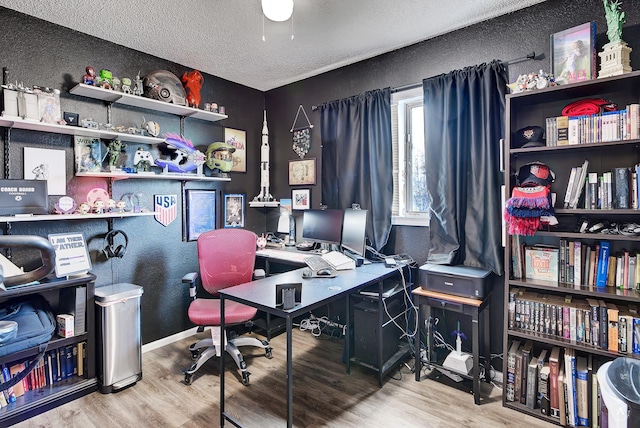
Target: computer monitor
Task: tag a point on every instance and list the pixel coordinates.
(354, 227)
(323, 226)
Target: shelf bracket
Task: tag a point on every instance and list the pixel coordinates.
(7, 145)
(182, 126)
(109, 105)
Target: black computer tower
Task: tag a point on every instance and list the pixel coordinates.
(366, 327)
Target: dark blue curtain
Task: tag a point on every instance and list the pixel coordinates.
(464, 122)
(356, 158)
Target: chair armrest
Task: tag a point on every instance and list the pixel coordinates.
(190, 278)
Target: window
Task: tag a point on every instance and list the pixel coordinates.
(410, 200)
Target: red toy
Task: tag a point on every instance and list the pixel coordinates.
(192, 81)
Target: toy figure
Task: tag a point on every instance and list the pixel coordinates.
(113, 150)
(90, 77)
(116, 84)
(615, 19)
(126, 85)
(220, 156)
(84, 208)
(153, 128)
(98, 206)
(192, 81)
(120, 206)
(105, 80)
(138, 88)
(111, 205)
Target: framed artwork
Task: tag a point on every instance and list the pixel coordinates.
(301, 199)
(302, 172)
(48, 165)
(201, 212)
(238, 139)
(234, 210)
(573, 54)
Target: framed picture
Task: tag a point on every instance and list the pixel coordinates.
(234, 210)
(238, 139)
(573, 54)
(48, 165)
(201, 212)
(302, 172)
(301, 199)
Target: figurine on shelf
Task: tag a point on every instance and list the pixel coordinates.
(113, 150)
(111, 205)
(126, 85)
(138, 88)
(116, 84)
(84, 208)
(120, 206)
(98, 206)
(90, 77)
(153, 128)
(105, 80)
(192, 81)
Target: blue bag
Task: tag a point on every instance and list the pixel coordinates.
(35, 322)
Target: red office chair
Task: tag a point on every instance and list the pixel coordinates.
(226, 257)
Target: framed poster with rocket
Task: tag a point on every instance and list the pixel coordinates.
(238, 139)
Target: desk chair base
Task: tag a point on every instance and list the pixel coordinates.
(202, 357)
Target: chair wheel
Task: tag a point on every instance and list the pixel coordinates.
(188, 377)
(267, 353)
(245, 378)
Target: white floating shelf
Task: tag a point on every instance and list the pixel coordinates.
(58, 217)
(169, 176)
(257, 204)
(34, 125)
(143, 102)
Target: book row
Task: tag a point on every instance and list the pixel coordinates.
(57, 365)
(588, 322)
(577, 263)
(615, 189)
(559, 382)
(609, 126)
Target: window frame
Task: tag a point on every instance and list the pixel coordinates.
(401, 104)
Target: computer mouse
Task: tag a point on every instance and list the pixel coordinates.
(307, 273)
(324, 272)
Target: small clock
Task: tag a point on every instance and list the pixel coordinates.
(65, 205)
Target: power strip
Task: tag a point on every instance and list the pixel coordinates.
(328, 323)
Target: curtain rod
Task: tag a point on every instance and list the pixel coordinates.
(529, 56)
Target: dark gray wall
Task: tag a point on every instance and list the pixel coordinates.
(40, 53)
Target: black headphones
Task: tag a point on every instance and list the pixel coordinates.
(110, 249)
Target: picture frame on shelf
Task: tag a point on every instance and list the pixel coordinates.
(238, 139)
(234, 210)
(301, 199)
(573, 54)
(48, 165)
(201, 212)
(302, 172)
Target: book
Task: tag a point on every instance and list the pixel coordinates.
(577, 263)
(604, 325)
(68, 360)
(636, 335)
(554, 370)
(80, 357)
(594, 307)
(580, 183)
(570, 186)
(570, 382)
(10, 391)
(73, 301)
(612, 331)
(621, 187)
(532, 383)
(582, 393)
(543, 390)
(541, 263)
(524, 369)
(593, 190)
(18, 388)
(518, 374)
(562, 130)
(603, 262)
(88, 154)
(511, 370)
(562, 396)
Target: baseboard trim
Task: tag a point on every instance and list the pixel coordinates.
(169, 339)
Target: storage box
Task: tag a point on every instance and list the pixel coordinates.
(65, 325)
(20, 104)
(460, 280)
(23, 197)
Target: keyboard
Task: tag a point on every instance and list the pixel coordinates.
(316, 263)
(333, 260)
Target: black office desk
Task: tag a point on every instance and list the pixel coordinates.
(316, 292)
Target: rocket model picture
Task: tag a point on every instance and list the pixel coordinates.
(265, 195)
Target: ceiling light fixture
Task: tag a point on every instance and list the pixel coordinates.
(277, 10)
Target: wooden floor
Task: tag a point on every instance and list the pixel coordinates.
(324, 396)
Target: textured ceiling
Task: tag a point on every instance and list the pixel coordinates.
(224, 37)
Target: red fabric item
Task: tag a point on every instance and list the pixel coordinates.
(588, 106)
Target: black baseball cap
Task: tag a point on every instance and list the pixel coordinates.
(535, 173)
(530, 136)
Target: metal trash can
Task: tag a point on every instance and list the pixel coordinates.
(118, 330)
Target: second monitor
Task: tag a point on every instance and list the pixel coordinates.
(322, 226)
